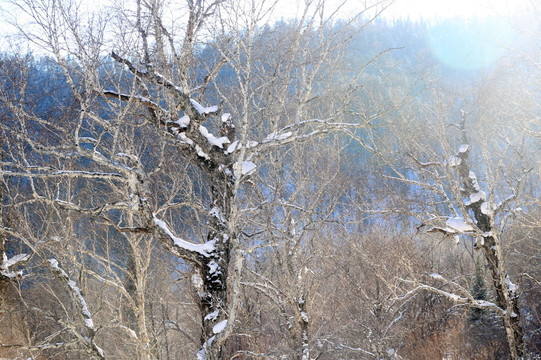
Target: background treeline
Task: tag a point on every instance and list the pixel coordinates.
(372, 233)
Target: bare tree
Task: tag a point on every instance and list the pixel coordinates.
(150, 88)
(450, 197)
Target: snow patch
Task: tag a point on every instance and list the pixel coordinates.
(183, 138)
(202, 354)
(201, 153)
(478, 196)
(213, 140)
(482, 241)
(202, 249)
(512, 287)
(213, 266)
(183, 122)
(232, 147)
(212, 316)
(436, 276)
(215, 212)
(463, 148)
(211, 109)
(201, 110)
(487, 209)
(248, 167)
(458, 224)
(237, 146)
(218, 328)
(473, 179)
(454, 161)
(89, 323)
(197, 106)
(277, 137)
(7, 263)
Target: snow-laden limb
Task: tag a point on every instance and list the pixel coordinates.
(185, 139)
(276, 137)
(236, 145)
(125, 97)
(436, 276)
(211, 109)
(203, 110)
(201, 249)
(62, 173)
(467, 299)
(75, 292)
(201, 153)
(213, 140)
(457, 224)
(305, 130)
(454, 226)
(148, 73)
(5, 270)
(344, 346)
(197, 106)
(183, 122)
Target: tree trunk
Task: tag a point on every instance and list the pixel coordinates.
(214, 272)
(506, 291)
(506, 298)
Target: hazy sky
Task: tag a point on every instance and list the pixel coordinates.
(413, 9)
(439, 9)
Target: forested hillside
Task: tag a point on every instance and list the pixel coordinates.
(203, 180)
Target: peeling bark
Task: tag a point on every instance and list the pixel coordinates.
(506, 292)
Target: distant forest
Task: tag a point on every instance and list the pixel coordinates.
(223, 185)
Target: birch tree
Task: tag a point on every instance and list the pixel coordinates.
(463, 198)
(134, 75)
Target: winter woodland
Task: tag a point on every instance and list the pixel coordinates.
(204, 179)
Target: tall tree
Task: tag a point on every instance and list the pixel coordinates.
(147, 104)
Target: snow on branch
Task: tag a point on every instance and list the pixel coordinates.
(343, 346)
(60, 173)
(457, 224)
(201, 249)
(306, 130)
(144, 73)
(467, 299)
(124, 97)
(150, 74)
(75, 292)
(5, 270)
(204, 110)
(213, 140)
